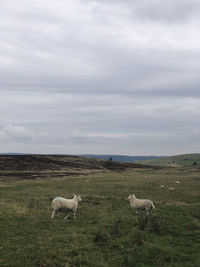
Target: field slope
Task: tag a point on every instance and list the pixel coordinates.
(106, 232)
(185, 160)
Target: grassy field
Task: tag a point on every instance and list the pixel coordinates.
(106, 232)
(185, 160)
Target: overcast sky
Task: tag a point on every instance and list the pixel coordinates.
(107, 77)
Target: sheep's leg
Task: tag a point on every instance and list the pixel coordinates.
(53, 213)
(149, 209)
(136, 212)
(66, 216)
(74, 215)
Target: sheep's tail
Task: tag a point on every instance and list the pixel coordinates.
(153, 205)
(53, 203)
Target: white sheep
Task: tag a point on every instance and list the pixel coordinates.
(65, 205)
(177, 182)
(171, 188)
(162, 186)
(141, 204)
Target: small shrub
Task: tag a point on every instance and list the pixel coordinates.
(32, 203)
(139, 238)
(196, 215)
(96, 202)
(100, 235)
(116, 227)
(114, 206)
(193, 225)
(155, 225)
(142, 220)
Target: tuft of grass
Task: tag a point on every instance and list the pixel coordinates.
(142, 221)
(156, 225)
(116, 227)
(101, 234)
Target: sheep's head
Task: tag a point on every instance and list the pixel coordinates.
(77, 197)
(130, 197)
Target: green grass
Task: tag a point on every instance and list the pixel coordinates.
(106, 231)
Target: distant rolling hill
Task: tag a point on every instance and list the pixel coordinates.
(14, 167)
(186, 160)
(118, 158)
(121, 158)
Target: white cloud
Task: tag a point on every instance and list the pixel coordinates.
(15, 133)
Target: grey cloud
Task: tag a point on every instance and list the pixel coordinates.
(169, 11)
(160, 10)
(107, 119)
(99, 76)
(70, 60)
(15, 133)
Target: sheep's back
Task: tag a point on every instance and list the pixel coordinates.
(141, 203)
(68, 203)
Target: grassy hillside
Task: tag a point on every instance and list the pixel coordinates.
(185, 160)
(106, 232)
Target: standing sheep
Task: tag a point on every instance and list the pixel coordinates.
(141, 204)
(171, 188)
(65, 205)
